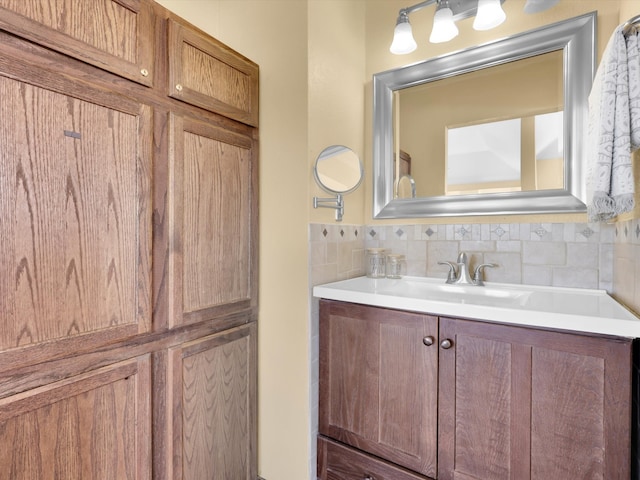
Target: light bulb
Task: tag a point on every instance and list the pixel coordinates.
(490, 15)
(403, 41)
(444, 28)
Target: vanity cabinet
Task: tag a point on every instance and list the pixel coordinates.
(508, 402)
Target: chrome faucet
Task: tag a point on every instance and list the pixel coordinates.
(459, 273)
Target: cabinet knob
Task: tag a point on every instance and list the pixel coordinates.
(446, 343)
(428, 340)
(367, 477)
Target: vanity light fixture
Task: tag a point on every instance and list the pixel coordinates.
(489, 15)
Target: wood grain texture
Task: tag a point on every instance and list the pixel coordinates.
(378, 382)
(116, 35)
(568, 396)
(207, 74)
(338, 462)
(82, 151)
(74, 215)
(483, 407)
(214, 407)
(94, 426)
(211, 201)
(567, 418)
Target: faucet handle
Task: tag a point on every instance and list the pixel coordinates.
(477, 274)
(451, 277)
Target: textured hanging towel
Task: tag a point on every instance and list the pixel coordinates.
(614, 128)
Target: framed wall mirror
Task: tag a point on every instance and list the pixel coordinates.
(491, 130)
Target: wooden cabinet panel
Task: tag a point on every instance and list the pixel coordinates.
(208, 74)
(96, 425)
(518, 403)
(75, 215)
(212, 205)
(115, 35)
(378, 382)
(337, 462)
(565, 389)
(212, 407)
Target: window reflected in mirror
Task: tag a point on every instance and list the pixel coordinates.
(513, 155)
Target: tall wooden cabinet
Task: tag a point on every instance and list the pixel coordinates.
(407, 396)
(128, 245)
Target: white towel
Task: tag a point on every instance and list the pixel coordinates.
(614, 129)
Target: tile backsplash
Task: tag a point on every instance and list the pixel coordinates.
(566, 255)
(563, 255)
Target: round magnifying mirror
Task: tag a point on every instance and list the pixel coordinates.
(338, 170)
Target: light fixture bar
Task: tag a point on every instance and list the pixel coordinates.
(417, 6)
(461, 8)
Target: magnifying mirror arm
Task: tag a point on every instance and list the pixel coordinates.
(336, 202)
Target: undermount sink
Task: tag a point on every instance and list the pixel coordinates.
(573, 309)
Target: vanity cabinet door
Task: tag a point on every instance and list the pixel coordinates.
(378, 382)
(115, 35)
(517, 403)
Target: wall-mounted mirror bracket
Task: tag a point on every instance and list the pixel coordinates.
(338, 170)
(336, 202)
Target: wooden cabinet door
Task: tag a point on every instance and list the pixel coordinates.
(75, 216)
(518, 403)
(92, 426)
(115, 35)
(208, 74)
(211, 408)
(378, 382)
(213, 202)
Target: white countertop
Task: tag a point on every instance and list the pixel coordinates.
(573, 309)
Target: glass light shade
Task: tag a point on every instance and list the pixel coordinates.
(490, 15)
(403, 41)
(444, 28)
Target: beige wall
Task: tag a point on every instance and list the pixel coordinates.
(336, 94)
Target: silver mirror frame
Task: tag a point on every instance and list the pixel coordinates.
(577, 38)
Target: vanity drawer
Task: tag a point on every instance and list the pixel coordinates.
(338, 462)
